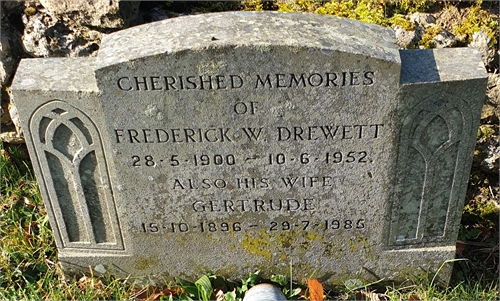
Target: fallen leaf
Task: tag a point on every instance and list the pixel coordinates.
(28, 232)
(6, 155)
(460, 247)
(370, 296)
(27, 203)
(219, 295)
(154, 293)
(373, 296)
(414, 298)
(360, 296)
(85, 283)
(302, 294)
(315, 290)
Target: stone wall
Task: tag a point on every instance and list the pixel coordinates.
(52, 28)
(74, 28)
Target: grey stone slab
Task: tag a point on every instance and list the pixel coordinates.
(436, 65)
(254, 29)
(57, 74)
(439, 121)
(235, 142)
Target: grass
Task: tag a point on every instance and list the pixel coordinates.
(29, 268)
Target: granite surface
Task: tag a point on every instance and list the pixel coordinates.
(234, 142)
(255, 29)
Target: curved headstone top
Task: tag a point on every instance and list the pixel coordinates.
(242, 141)
(256, 29)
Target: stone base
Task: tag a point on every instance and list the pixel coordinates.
(394, 266)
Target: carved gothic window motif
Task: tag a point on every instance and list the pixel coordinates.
(75, 175)
(431, 146)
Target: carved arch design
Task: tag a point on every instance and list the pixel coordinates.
(433, 138)
(75, 175)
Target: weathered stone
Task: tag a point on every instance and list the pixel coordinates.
(491, 110)
(45, 36)
(96, 13)
(10, 53)
(407, 39)
(5, 118)
(491, 162)
(435, 141)
(72, 28)
(235, 142)
(444, 39)
(6, 60)
(481, 41)
(11, 137)
(34, 41)
(14, 117)
(493, 91)
(421, 19)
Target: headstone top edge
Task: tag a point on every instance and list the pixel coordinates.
(441, 65)
(240, 29)
(56, 74)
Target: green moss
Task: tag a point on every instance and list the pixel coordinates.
(252, 5)
(364, 10)
(483, 213)
(298, 6)
(485, 131)
(385, 13)
(353, 246)
(263, 48)
(258, 245)
(144, 263)
(30, 11)
(412, 6)
(400, 20)
(430, 33)
(389, 13)
(474, 21)
(263, 243)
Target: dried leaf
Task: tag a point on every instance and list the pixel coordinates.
(315, 290)
(153, 293)
(361, 296)
(27, 203)
(460, 248)
(28, 232)
(219, 295)
(486, 232)
(6, 155)
(413, 298)
(142, 294)
(370, 296)
(85, 283)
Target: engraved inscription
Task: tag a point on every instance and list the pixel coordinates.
(330, 225)
(221, 134)
(155, 148)
(333, 157)
(256, 81)
(259, 183)
(256, 205)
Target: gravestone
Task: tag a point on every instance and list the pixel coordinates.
(234, 142)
